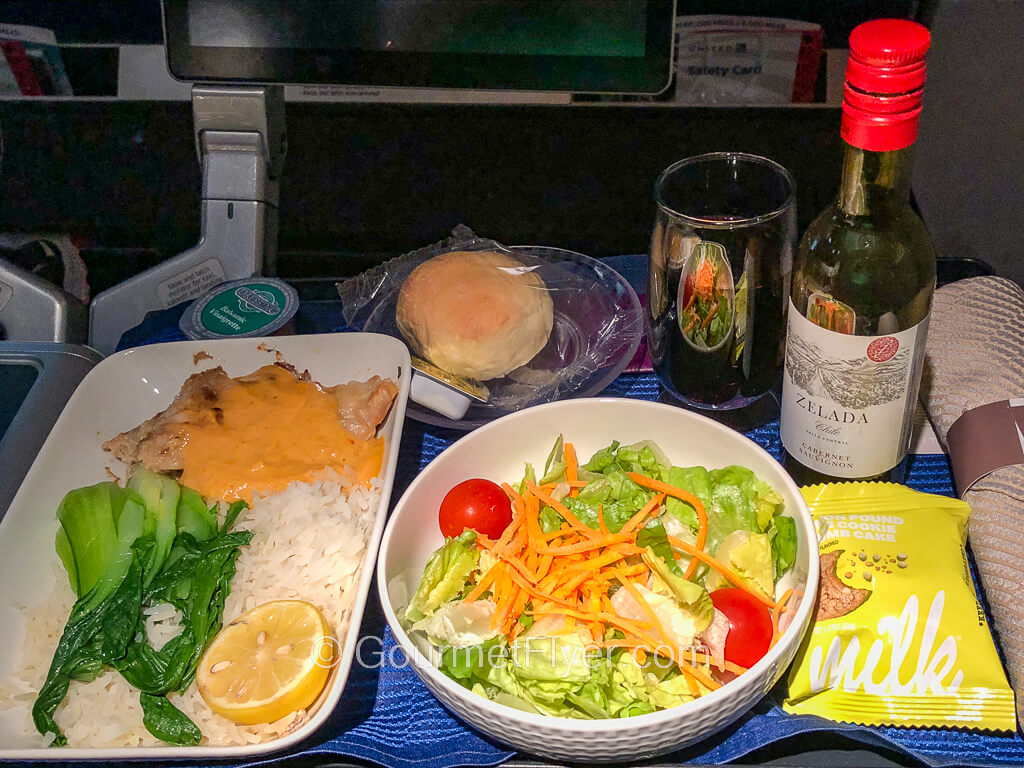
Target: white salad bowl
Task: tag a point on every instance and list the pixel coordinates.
(119, 393)
(498, 451)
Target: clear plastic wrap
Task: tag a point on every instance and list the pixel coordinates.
(597, 324)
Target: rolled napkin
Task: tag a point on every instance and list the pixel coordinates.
(976, 357)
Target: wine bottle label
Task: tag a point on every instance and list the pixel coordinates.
(848, 401)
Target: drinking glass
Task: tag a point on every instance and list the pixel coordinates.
(718, 278)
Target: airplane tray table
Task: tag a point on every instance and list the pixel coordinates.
(388, 717)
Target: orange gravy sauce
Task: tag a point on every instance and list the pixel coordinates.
(273, 429)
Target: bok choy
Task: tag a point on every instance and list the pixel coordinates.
(129, 548)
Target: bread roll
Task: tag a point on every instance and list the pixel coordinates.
(477, 314)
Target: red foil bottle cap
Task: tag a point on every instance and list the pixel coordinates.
(885, 75)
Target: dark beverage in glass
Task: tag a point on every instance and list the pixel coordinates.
(718, 278)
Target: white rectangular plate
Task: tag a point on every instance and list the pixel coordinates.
(118, 394)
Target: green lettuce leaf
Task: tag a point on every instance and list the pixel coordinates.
(695, 480)
(689, 593)
(681, 622)
(602, 458)
(615, 512)
(645, 458)
(609, 488)
(554, 467)
(529, 476)
(463, 664)
(550, 521)
(750, 556)
(769, 504)
(654, 537)
(458, 624)
(640, 690)
(445, 575)
(551, 658)
(733, 504)
(782, 534)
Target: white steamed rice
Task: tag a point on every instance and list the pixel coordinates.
(309, 543)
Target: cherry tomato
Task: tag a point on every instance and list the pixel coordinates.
(478, 504)
(750, 625)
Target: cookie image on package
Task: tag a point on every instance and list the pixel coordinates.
(834, 597)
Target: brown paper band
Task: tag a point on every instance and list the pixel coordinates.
(985, 439)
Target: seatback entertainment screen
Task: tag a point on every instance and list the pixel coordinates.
(622, 46)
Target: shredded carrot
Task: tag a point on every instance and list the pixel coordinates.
(532, 590)
(517, 499)
(777, 611)
(543, 566)
(699, 676)
(521, 538)
(530, 559)
(550, 581)
(610, 556)
(691, 672)
(725, 570)
(736, 669)
(518, 517)
(506, 610)
(502, 596)
(571, 484)
(512, 560)
(689, 498)
(561, 532)
(563, 510)
(533, 529)
(482, 585)
(518, 605)
(514, 533)
(692, 685)
(648, 508)
(600, 520)
(634, 627)
(635, 570)
(606, 603)
(586, 546)
(574, 583)
(513, 494)
(571, 467)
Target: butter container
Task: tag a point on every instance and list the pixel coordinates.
(252, 306)
(444, 392)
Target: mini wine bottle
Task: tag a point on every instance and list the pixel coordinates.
(863, 279)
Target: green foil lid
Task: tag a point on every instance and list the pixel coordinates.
(253, 306)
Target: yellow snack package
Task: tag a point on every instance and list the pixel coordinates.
(899, 637)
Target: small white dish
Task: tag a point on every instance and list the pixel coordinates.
(497, 451)
(118, 394)
(438, 397)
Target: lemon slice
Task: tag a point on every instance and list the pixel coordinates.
(267, 663)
